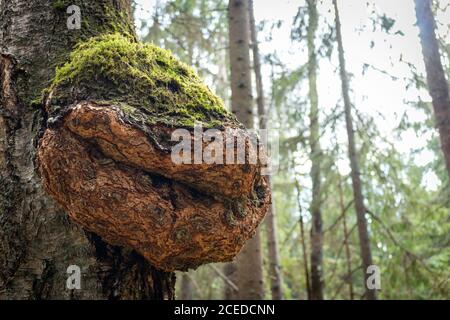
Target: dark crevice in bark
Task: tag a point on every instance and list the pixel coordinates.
(153, 284)
(42, 286)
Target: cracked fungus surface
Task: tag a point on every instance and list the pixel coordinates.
(148, 83)
(114, 182)
(105, 158)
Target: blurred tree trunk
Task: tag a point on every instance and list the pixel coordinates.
(364, 242)
(37, 240)
(316, 159)
(154, 32)
(272, 242)
(248, 273)
(348, 255)
(187, 290)
(229, 270)
(303, 242)
(437, 84)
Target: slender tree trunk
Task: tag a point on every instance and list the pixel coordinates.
(364, 242)
(229, 270)
(187, 290)
(260, 101)
(272, 242)
(248, 274)
(154, 34)
(316, 160)
(346, 244)
(303, 242)
(37, 240)
(437, 84)
(223, 83)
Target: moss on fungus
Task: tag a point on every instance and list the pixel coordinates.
(146, 82)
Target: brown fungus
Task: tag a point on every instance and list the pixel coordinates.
(115, 177)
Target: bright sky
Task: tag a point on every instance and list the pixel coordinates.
(373, 93)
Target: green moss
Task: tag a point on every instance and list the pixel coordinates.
(148, 83)
(60, 4)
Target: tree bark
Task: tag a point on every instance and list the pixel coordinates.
(248, 274)
(37, 240)
(303, 243)
(364, 242)
(346, 239)
(272, 241)
(187, 290)
(316, 160)
(438, 86)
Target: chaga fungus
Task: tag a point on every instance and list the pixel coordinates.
(105, 157)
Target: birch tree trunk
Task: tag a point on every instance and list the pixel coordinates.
(37, 240)
(437, 84)
(364, 242)
(316, 160)
(272, 241)
(247, 274)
